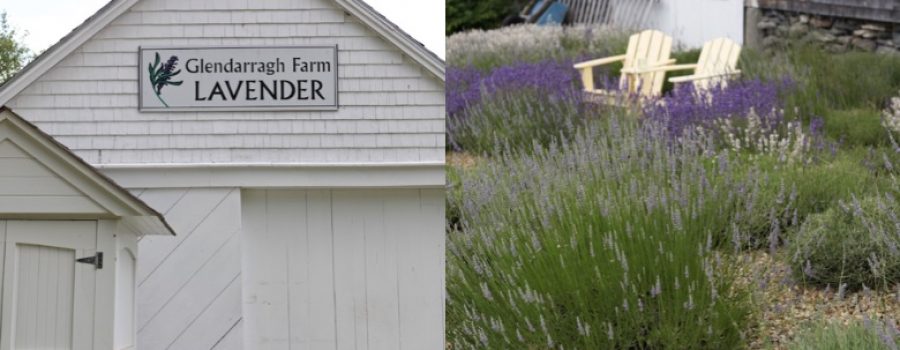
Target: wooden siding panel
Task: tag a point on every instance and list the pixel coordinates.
(420, 261)
(371, 280)
(234, 340)
(44, 309)
(98, 82)
(28, 187)
(179, 267)
(189, 285)
(206, 332)
(193, 300)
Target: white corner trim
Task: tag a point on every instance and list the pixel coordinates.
(417, 175)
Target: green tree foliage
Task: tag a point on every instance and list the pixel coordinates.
(479, 14)
(13, 53)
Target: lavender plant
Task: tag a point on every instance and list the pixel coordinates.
(870, 335)
(519, 104)
(467, 87)
(532, 43)
(605, 241)
(855, 244)
(687, 108)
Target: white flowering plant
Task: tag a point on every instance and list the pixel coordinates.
(891, 120)
(532, 43)
(790, 145)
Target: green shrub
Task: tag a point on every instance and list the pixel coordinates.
(478, 14)
(856, 127)
(681, 57)
(853, 244)
(784, 195)
(828, 81)
(830, 336)
(604, 241)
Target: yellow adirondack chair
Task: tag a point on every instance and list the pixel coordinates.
(718, 62)
(647, 49)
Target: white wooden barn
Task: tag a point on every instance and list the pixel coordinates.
(690, 22)
(297, 225)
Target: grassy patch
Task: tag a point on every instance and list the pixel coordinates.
(828, 81)
(856, 127)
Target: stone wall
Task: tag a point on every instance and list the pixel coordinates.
(776, 28)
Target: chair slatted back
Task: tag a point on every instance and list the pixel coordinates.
(646, 48)
(718, 57)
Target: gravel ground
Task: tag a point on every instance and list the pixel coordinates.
(786, 307)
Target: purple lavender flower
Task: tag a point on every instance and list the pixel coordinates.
(466, 87)
(167, 69)
(686, 107)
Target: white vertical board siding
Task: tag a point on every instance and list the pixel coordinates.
(124, 337)
(694, 22)
(48, 299)
(189, 285)
(44, 310)
(391, 109)
(343, 269)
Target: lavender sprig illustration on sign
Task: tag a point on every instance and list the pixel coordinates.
(160, 76)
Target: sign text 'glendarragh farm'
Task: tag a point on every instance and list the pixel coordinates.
(257, 78)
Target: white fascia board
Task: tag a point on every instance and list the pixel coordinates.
(418, 52)
(398, 175)
(63, 48)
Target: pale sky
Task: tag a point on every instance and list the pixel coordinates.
(46, 21)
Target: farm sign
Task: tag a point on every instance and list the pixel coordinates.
(238, 79)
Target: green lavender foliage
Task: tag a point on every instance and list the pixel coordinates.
(518, 120)
(856, 127)
(852, 245)
(606, 241)
(856, 80)
(830, 336)
(784, 195)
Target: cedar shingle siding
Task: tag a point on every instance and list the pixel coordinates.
(391, 110)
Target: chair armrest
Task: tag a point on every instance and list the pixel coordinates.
(599, 62)
(687, 78)
(665, 68)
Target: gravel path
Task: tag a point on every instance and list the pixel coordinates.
(786, 307)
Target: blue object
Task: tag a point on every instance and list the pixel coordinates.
(554, 15)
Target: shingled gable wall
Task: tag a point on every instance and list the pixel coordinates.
(392, 111)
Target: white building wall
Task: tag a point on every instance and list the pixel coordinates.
(391, 110)
(693, 22)
(343, 269)
(189, 290)
(192, 291)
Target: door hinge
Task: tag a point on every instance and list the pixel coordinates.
(96, 260)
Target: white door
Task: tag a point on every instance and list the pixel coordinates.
(48, 297)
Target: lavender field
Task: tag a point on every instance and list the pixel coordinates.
(760, 215)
